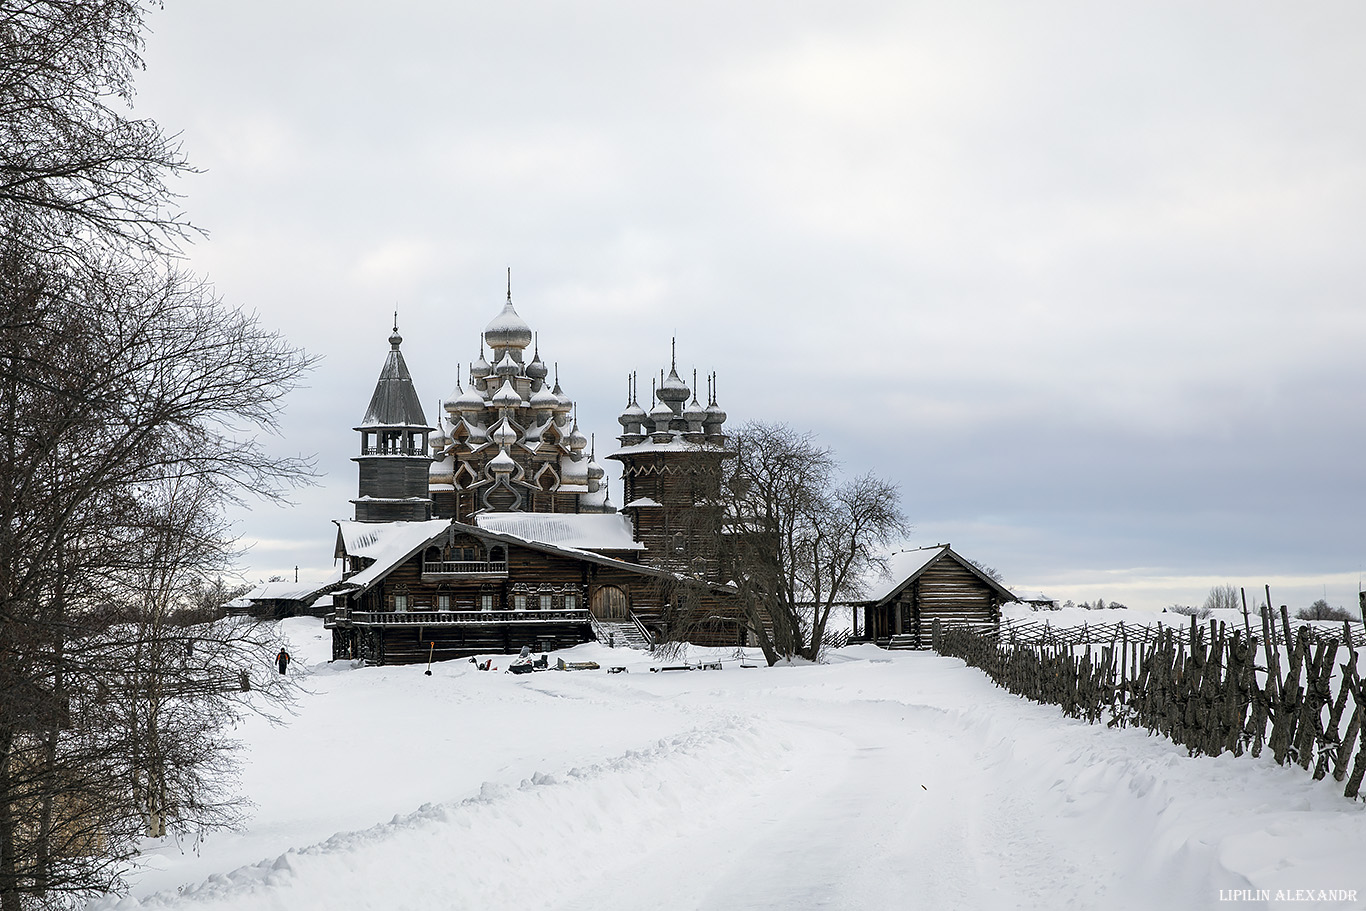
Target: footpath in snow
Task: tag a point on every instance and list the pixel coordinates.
(890, 780)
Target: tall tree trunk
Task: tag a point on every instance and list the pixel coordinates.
(9, 877)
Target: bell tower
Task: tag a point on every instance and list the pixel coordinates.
(393, 456)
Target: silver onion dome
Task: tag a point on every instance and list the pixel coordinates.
(507, 329)
(537, 369)
(506, 396)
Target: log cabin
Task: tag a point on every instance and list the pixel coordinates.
(923, 585)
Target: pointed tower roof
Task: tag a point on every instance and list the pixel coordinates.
(395, 402)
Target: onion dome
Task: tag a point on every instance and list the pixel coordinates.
(695, 414)
(506, 365)
(506, 396)
(480, 368)
(630, 417)
(673, 390)
(595, 471)
(439, 440)
(507, 329)
(469, 400)
(537, 369)
(715, 417)
(545, 400)
(577, 441)
(502, 463)
(504, 434)
(661, 414)
(452, 404)
(565, 402)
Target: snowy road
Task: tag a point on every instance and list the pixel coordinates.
(894, 781)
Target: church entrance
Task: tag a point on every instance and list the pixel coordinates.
(609, 603)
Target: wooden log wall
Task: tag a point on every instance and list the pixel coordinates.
(677, 481)
(1203, 690)
(530, 572)
(946, 591)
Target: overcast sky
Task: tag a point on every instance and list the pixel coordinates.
(1085, 279)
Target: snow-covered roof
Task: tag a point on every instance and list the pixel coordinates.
(642, 501)
(1035, 597)
(285, 591)
(588, 531)
(904, 566)
(901, 566)
(372, 539)
(674, 445)
(387, 543)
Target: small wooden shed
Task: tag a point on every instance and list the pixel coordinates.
(924, 584)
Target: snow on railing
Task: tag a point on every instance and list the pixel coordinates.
(465, 617)
(463, 567)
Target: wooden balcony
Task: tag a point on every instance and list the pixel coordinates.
(345, 617)
(437, 571)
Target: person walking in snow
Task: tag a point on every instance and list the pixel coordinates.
(282, 660)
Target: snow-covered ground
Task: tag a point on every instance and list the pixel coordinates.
(879, 780)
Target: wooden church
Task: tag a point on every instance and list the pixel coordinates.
(493, 529)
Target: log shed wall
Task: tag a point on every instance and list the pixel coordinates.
(948, 589)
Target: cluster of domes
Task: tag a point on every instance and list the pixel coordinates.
(675, 417)
(509, 433)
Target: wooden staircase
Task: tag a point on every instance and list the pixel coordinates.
(620, 633)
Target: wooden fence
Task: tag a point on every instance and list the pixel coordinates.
(1041, 632)
(1201, 687)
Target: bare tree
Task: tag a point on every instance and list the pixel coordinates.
(131, 405)
(991, 572)
(127, 403)
(1322, 610)
(791, 538)
(1223, 597)
(74, 165)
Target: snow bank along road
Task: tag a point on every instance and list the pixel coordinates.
(895, 780)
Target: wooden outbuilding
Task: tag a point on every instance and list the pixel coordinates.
(925, 584)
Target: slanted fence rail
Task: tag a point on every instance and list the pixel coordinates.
(1200, 686)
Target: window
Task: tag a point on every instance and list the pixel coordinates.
(546, 602)
(571, 602)
(443, 602)
(400, 601)
(519, 602)
(486, 602)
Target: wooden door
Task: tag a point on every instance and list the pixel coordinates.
(609, 603)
